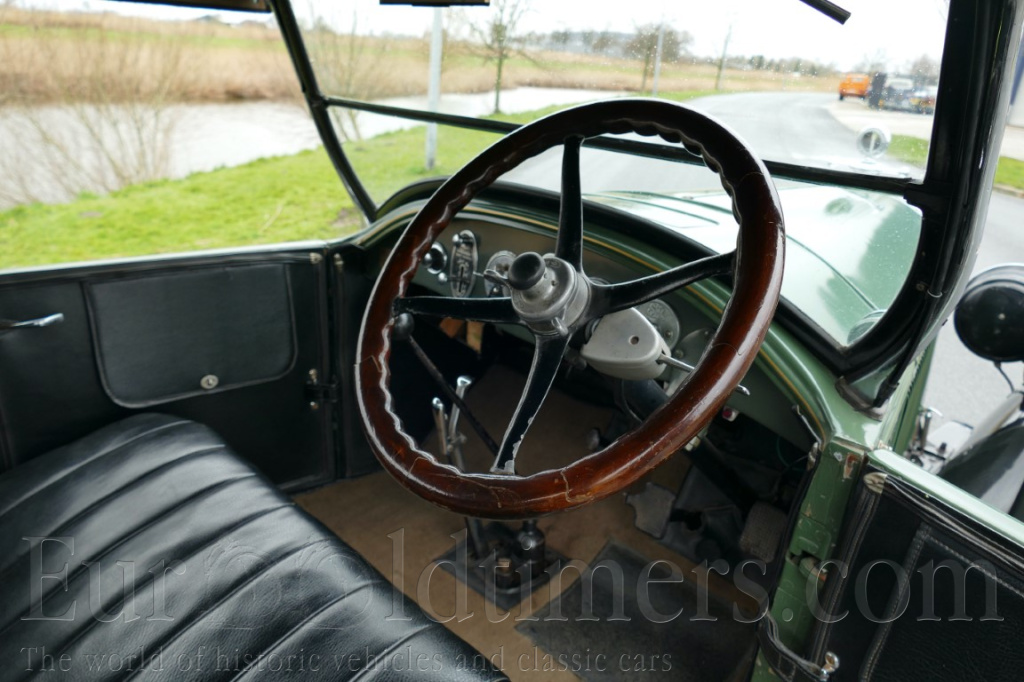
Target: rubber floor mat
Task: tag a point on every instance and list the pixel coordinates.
(590, 637)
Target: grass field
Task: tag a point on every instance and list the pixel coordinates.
(913, 150)
(48, 57)
(272, 200)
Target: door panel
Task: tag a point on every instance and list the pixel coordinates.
(929, 584)
(229, 341)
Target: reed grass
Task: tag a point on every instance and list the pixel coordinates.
(41, 52)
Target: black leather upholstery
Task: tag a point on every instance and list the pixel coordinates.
(180, 561)
(927, 593)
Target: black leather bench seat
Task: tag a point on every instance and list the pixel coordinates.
(149, 550)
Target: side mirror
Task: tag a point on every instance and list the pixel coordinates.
(990, 316)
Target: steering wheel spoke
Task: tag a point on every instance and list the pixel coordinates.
(570, 219)
(547, 356)
(494, 310)
(611, 298)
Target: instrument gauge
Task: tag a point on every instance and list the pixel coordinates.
(664, 319)
(500, 262)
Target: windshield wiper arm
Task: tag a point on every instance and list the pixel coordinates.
(829, 9)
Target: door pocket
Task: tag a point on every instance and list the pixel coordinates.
(161, 337)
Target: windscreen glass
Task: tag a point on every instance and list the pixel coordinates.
(797, 86)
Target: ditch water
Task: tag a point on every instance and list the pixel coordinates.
(52, 154)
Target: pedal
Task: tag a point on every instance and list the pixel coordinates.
(653, 508)
(763, 532)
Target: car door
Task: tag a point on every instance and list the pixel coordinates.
(235, 340)
(928, 585)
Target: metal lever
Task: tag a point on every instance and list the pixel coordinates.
(686, 367)
(441, 426)
(462, 384)
(49, 320)
(451, 441)
(447, 428)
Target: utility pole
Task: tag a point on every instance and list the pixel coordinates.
(434, 88)
(657, 58)
(721, 62)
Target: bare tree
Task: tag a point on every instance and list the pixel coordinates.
(924, 70)
(873, 63)
(498, 38)
(108, 117)
(603, 42)
(644, 46)
(349, 66)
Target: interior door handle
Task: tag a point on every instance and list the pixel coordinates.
(11, 325)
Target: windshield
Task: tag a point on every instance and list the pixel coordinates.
(802, 90)
(796, 85)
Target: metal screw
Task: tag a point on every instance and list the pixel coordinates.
(831, 663)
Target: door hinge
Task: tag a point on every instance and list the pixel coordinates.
(318, 392)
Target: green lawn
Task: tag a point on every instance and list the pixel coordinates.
(268, 201)
(913, 150)
(1010, 173)
(272, 200)
(280, 199)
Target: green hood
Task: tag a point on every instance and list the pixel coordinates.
(847, 251)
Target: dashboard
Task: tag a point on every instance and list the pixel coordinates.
(479, 241)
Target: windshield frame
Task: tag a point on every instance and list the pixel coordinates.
(952, 195)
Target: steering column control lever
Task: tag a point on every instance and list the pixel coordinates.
(667, 359)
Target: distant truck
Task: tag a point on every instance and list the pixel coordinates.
(854, 85)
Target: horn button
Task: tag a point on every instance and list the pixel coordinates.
(547, 293)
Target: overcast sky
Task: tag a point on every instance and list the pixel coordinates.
(899, 30)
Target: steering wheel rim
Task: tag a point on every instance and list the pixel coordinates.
(757, 276)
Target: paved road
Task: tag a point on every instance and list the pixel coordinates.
(855, 115)
(789, 127)
(963, 386)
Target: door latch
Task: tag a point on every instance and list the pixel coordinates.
(47, 321)
(317, 392)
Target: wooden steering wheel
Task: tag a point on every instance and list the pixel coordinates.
(553, 298)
